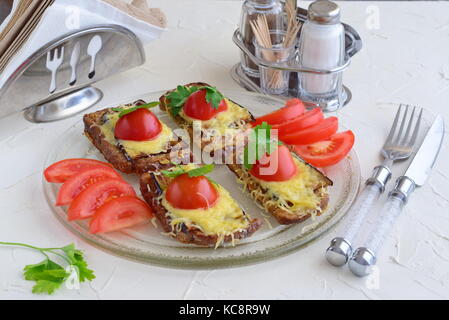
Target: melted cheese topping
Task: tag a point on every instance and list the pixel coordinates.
(135, 148)
(224, 218)
(297, 193)
(225, 120)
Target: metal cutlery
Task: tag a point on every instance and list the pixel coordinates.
(398, 146)
(54, 61)
(74, 62)
(93, 48)
(417, 173)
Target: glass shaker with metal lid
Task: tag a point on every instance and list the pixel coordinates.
(322, 46)
(251, 9)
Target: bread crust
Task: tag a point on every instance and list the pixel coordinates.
(117, 156)
(152, 186)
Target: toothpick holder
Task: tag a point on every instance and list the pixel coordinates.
(353, 44)
(56, 81)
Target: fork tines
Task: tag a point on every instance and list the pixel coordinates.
(397, 136)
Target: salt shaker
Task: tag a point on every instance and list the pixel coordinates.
(322, 46)
(251, 9)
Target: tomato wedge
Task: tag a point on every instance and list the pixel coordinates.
(139, 125)
(293, 108)
(197, 107)
(277, 166)
(327, 152)
(60, 171)
(76, 184)
(97, 194)
(191, 193)
(321, 131)
(301, 122)
(119, 213)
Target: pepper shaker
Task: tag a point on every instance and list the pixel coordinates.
(251, 9)
(322, 46)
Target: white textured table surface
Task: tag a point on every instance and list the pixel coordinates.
(405, 59)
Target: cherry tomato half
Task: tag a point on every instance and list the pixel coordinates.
(197, 107)
(277, 166)
(301, 122)
(293, 108)
(320, 131)
(119, 213)
(96, 195)
(77, 183)
(327, 152)
(139, 125)
(190, 193)
(62, 170)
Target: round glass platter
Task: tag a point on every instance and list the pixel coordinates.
(147, 244)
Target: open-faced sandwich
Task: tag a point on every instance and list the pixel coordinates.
(282, 183)
(132, 138)
(205, 105)
(193, 209)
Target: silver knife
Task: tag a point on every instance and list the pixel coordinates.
(364, 258)
(74, 62)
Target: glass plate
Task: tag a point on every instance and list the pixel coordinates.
(147, 244)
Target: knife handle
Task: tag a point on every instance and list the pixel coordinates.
(365, 257)
(340, 249)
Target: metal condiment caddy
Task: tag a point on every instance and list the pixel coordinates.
(353, 44)
(56, 81)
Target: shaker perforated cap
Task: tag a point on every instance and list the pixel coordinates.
(324, 12)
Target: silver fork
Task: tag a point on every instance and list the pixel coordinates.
(54, 61)
(398, 146)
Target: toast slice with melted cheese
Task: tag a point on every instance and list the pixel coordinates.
(236, 119)
(225, 222)
(293, 201)
(130, 156)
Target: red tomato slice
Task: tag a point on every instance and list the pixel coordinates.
(139, 125)
(191, 193)
(74, 185)
(119, 213)
(327, 152)
(60, 171)
(277, 166)
(293, 108)
(305, 120)
(322, 130)
(197, 107)
(96, 195)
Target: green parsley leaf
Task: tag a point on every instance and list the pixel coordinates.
(45, 270)
(124, 111)
(76, 257)
(201, 171)
(46, 286)
(49, 275)
(260, 143)
(177, 98)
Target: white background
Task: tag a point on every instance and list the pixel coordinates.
(405, 59)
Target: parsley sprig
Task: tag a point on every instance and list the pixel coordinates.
(124, 111)
(197, 172)
(177, 98)
(260, 143)
(49, 275)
